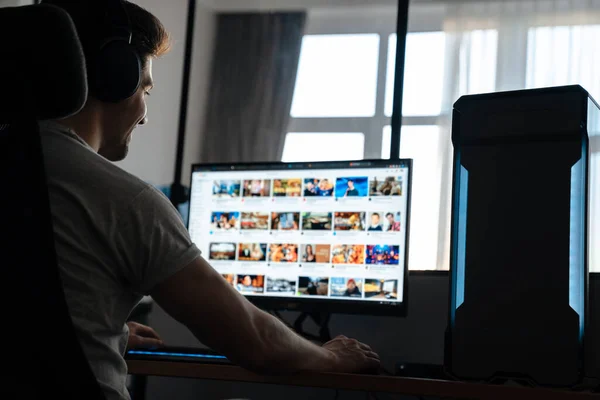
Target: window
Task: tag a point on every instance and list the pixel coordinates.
(572, 52)
(337, 76)
(478, 62)
(423, 75)
(343, 101)
(426, 182)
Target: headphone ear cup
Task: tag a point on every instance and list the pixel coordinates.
(116, 73)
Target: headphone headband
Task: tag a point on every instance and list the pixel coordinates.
(118, 68)
(117, 22)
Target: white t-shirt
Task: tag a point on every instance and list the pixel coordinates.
(116, 238)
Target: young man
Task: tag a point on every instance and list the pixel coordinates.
(375, 223)
(117, 239)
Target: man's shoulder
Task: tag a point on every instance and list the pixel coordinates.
(71, 162)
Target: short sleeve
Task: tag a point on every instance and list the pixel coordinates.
(153, 241)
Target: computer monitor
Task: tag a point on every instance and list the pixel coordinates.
(327, 236)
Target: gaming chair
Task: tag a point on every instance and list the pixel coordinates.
(42, 76)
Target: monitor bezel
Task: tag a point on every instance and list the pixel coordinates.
(328, 305)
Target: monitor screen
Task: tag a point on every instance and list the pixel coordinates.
(307, 235)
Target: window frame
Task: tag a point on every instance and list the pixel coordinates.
(380, 20)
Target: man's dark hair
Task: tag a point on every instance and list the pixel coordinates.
(389, 214)
(377, 214)
(149, 36)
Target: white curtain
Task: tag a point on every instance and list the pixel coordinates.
(515, 44)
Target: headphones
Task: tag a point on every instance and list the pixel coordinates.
(115, 68)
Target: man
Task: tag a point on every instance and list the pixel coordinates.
(394, 226)
(117, 239)
(245, 284)
(310, 189)
(375, 223)
(352, 289)
(351, 191)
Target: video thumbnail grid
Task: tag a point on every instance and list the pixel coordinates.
(307, 253)
(384, 220)
(348, 288)
(324, 187)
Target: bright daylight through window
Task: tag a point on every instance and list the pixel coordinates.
(344, 93)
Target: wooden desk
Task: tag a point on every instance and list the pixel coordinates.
(365, 383)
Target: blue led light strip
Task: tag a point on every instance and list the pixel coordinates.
(577, 242)
(459, 232)
(462, 237)
(163, 353)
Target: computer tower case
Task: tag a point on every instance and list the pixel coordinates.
(524, 235)
(592, 359)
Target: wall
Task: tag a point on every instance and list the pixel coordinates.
(152, 152)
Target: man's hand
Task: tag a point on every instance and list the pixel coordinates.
(142, 337)
(350, 355)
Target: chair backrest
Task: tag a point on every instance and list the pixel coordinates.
(42, 76)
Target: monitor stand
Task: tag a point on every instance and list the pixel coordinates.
(321, 319)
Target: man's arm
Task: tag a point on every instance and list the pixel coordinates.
(220, 317)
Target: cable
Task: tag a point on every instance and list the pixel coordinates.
(337, 394)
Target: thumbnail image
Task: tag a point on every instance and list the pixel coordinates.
(225, 221)
(257, 188)
(316, 221)
(383, 222)
(349, 221)
(226, 188)
(283, 253)
(287, 187)
(281, 285)
(381, 289)
(346, 287)
(257, 221)
(383, 255)
(348, 254)
(352, 187)
(321, 187)
(222, 251)
(252, 252)
(315, 253)
(386, 186)
(231, 278)
(313, 286)
(285, 221)
(250, 283)
(392, 222)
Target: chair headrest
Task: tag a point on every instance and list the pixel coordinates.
(42, 68)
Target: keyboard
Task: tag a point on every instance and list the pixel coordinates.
(181, 354)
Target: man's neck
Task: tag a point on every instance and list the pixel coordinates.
(87, 125)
